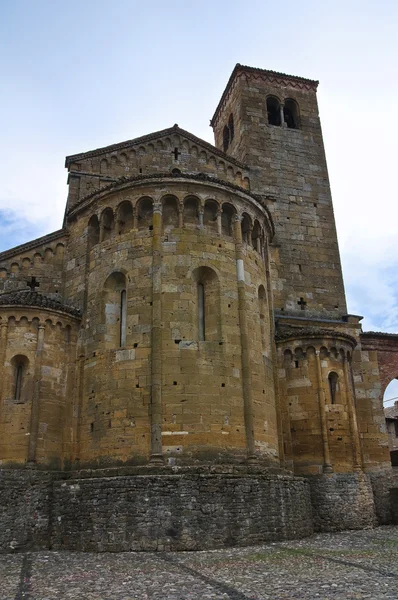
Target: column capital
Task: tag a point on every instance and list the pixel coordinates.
(157, 207)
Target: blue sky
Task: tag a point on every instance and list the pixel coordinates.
(80, 75)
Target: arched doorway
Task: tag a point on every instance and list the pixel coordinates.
(390, 404)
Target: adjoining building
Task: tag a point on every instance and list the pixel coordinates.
(177, 365)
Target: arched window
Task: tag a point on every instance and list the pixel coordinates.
(227, 217)
(231, 127)
(333, 379)
(191, 211)
(107, 223)
(93, 232)
(18, 382)
(208, 309)
(256, 237)
(123, 318)
(273, 111)
(20, 368)
(262, 308)
(210, 215)
(115, 311)
(201, 312)
(290, 113)
(145, 213)
(170, 215)
(125, 217)
(246, 228)
(225, 138)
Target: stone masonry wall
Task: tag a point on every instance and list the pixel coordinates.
(178, 512)
(342, 501)
(25, 497)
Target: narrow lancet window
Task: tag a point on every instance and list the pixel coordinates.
(201, 312)
(18, 382)
(123, 318)
(333, 381)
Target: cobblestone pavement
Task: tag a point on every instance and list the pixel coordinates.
(356, 564)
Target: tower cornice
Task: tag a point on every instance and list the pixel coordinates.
(283, 79)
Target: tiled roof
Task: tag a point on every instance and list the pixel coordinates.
(153, 136)
(311, 332)
(29, 298)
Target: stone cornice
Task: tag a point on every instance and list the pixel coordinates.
(51, 237)
(300, 333)
(154, 136)
(292, 81)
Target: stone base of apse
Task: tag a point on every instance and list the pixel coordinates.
(149, 509)
(342, 501)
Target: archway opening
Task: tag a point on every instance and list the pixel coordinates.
(390, 404)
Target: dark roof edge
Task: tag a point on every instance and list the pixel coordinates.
(152, 136)
(265, 72)
(50, 237)
(312, 332)
(379, 334)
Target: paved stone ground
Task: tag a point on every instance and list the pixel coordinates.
(356, 564)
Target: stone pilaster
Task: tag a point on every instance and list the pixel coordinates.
(356, 444)
(327, 466)
(244, 337)
(3, 346)
(156, 359)
(35, 412)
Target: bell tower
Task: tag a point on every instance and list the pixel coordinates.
(270, 122)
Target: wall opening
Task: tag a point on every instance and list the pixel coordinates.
(20, 364)
(210, 215)
(227, 219)
(125, 219)
(115, 310)
(93, 232)
(201, 312)
(144, 213)
(191, 211)
(225, 138)
(170, 213)
(273, 111)
(208, 309)
(107, 224)
(291, 114)
(333, 380)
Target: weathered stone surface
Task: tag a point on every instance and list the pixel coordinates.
(191, 313)
(342, 501)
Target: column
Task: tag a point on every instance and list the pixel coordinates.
(201, 212)
(156, 365)
(244, 340)
(264, 251)
(219, 223)
(281, 107)
(327, 466)
(35, 412)
(356, 444)
(3, 346)
(180, 215)
(78, 407)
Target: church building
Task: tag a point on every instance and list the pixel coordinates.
(180, 350)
